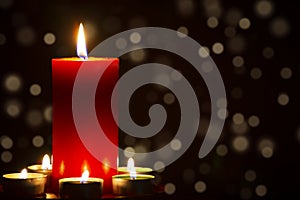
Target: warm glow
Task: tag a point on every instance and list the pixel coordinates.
(23, 173)
(46, 162)
(81, 45)
(85, 176)
(131, 168)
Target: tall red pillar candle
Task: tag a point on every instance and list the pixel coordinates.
(70, 155)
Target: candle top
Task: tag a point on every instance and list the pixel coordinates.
(137, 169)
(28, 176)
(39, 167)
(138, 177)
(85, 60)
(77, 180)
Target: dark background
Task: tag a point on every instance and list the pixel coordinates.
(251, 160)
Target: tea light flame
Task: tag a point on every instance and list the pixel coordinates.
(23, 173)
(46, 162)
(131, 168)
(85, 176)
(81, 45)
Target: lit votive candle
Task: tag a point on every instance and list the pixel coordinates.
(82, 187)
(24, 184)
(125, 185)
(132, 183)
(138, 170)
(44, 168)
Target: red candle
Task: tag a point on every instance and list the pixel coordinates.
(70, 155)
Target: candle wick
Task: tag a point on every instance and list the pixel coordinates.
(83, 57)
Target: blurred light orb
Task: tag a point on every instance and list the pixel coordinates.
(230, 31)
(233, 16)
(222, 150)
(266, 147)
(212, 8)
(286, 73)
(159, 166)
(204, 168)
(222, 113)
(170, 188)
(135, 37)
(5, 4)
(283, 99)
(200, 186)
(238, 118)
(26, 36)
(240, 128)
(268, 52)
(236, 44)
(261, 190)
(182, 31)
(221, 103)
(6, 142)
(34, 118)
(245, 193)
(49, 38)
(163, 78)
(218, 48)
(238, 61)
(175, 144)
(137, 55)
(244, 23)
(253, 121)
(138, 21)
(250, 175)
(203, 52)
(35, 89)
(2, 39)
(48, 113)
(129, 140)
(264, 8)
(188, 176)
(6, 156)
(267, 152)
(129, 152)
(207, 67)
(186, 8)
(169, 98)
(38, 141)
(12, 83)
(237, 93)
(121, 43)
(212, 22)
(280, 27)
(256, 73)
(176, 75)
(13, 108)
(240, 144)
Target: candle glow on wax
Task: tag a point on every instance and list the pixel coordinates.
(46, 162)
(85, 176)
(131, 168)
(81, 45)
(23, 173)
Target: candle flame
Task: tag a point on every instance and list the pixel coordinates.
(81, 45)
(46, 162)
(23, 173)
(131, 168)
(85, 176)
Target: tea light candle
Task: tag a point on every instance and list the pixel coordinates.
(81, 187)
(132, 184)
(125, 185)
(44, 168)
(138, 170)
(24, 184)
